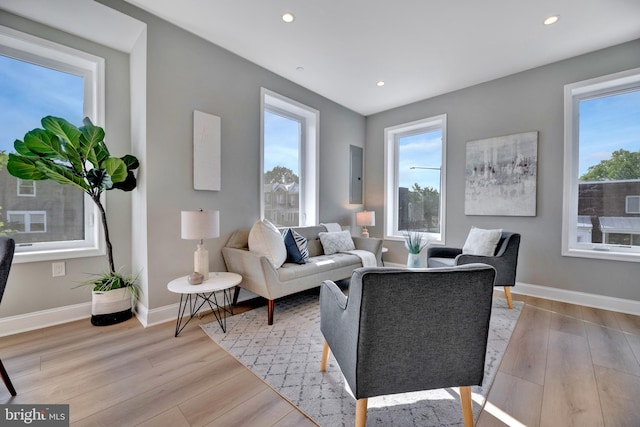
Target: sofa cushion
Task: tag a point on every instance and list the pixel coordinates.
(318, 265)
(265, 238)
(435, 262)
(296, 244)
(481, 242)
(336, 241)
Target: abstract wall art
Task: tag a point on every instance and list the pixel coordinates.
(501, 175)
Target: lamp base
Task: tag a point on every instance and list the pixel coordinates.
(201, 261)
(365, 232)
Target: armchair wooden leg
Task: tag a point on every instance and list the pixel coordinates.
(7, 380)
(361, 412)
(325, 356)
(507, 293)
(271, 305)
(467, 409)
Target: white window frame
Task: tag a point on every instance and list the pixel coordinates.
(636, 200)
(391, 231)
(573, 94)
(35, 50)
(22, 183)
(27, 220)
(309, 183)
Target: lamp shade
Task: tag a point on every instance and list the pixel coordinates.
(366, 218)
(200, 225)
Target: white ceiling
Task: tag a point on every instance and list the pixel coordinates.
(420, 48)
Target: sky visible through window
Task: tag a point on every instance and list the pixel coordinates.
(608, 124)
(420, 151)
(30, 92)
(281, 142)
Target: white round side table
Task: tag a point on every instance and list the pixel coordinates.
(206, 293)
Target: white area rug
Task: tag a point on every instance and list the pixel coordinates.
(287, 356)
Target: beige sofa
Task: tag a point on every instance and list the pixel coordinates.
(261, 277)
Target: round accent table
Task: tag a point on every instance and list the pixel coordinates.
(191, 295)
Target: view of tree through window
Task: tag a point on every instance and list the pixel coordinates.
(609, 168)
(282, 142)
(419, 189)
(28, 92)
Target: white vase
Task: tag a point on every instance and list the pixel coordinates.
(413, 261)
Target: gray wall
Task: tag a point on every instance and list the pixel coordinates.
(31, 287)
(528, 101)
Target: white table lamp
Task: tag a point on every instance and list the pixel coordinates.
(200, 225)
(364, 219)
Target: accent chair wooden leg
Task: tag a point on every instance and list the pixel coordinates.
(467, 409)
(325, 356)
(236, 293)
(7, 380)
(507, 293)
(361, 412)
(271, 305)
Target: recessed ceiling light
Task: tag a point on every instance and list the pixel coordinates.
(551, 20)
(288, 17)
(380, 83)
(301, 69)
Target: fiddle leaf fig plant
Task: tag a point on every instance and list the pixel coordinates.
(74, 156)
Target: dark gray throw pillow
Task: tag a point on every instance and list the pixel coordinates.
(296, 245)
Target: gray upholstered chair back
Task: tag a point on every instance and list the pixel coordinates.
(404, 330)
(7, 248)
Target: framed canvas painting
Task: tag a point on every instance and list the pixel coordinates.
(501, 175)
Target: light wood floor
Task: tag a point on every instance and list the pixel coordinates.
(565, 365)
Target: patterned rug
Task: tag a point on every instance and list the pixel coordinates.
(287, 356)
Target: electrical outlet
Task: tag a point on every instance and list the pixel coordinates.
(58, 269)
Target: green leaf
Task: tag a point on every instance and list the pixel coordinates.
(116, 168)
(90, 136)
(65, 130)
(61, 174)
(131, 162)
(24, 168)
(128, 184)
(44, 144)
(99, 178)
(99, 154)
(21, 148)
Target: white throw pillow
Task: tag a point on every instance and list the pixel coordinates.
(336, 241)
(481, 242)
(265, 238)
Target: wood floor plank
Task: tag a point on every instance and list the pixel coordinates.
(619, 397)
(526, 352)
(600, 317)
(570, 396)
(170, 418)
(148, 402)
(629, 323)
(512, 401)
(202, 409)
(294, 419)
(610, 348)
(566, 309)
(567, 324)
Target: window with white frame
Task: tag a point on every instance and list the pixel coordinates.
(414, 178)
(602, 168)
(26, 187)
(289, 166)
(40, 78)
(27, 221)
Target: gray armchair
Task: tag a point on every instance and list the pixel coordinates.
(7, 247)
(505, 260)
(406, 330)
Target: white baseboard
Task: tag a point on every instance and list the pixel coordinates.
(43, 319)
(169, 313)
(581, 298)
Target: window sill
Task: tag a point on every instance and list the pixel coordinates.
(611, 253)
(57, 254)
